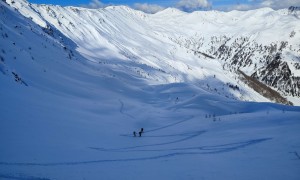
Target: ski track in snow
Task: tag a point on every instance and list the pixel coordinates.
(20, 177)
(170, 125)
(122, 110)
(198, 150)
(214, 150)
(296, 154)
(206, 149)
(157, 136)
(157, 144)
(163, 127)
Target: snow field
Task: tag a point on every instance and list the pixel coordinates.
(74, 118)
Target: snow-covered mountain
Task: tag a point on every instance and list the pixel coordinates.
(75, 83)
(173, 46)
(294, 11)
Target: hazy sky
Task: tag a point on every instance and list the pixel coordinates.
(185, 5)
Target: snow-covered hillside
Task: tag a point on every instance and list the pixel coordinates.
(206, 48)
(73, 88)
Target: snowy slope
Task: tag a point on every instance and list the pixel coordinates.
(69, 113)
(236, 40)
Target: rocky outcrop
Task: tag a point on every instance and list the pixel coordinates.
(265, 63)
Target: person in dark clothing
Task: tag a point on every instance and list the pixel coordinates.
(134, 133)
(141, 132)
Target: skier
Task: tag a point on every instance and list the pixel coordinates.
(141, 132)
(177, 99)
(134, 133)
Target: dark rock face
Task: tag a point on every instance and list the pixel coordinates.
(279, 76)
(265, 63)
(293, 10)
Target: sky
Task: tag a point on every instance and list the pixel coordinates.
(153, 6)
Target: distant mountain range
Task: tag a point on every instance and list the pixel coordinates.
(246, 55)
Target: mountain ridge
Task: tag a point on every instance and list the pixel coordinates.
(120, 32)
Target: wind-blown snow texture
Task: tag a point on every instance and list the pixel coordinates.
(76, 83)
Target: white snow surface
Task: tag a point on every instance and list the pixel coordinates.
(151, 45)
(68, 114)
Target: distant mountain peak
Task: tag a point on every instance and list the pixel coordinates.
(170, 11)
(294, 8)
